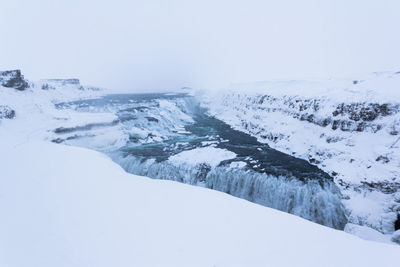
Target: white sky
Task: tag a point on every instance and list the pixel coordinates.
(159, 45)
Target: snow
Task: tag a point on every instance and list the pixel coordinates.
(379, 86)
(396, 236)
(370, 209)
(209, 155)
(68, 206)
(71, 206)
(209, 143)
(367, 233)
(237, 104)
(237, 164)
(70, 119)
(272, 112)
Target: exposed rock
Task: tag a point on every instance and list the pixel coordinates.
(62, 130)
(152, 119)
(64, 81)
(383, 159)
(347, 117)
(201, 172)
(54, 83)
(13, 79)
(384, 187)
(397, 223)
(46, 86)
(365, 111)
(6, 112)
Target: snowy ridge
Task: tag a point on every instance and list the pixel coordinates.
(349, 128)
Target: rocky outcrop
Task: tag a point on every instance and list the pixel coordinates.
(13, 79)
(51, 84)
(6, 112)
(65, 81)
(346, 117)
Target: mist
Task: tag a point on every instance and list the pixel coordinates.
(152, 45)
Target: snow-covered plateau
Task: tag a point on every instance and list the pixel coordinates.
(349, 128)
(71, 206)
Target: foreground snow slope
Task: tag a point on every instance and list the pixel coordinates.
(349, 128)
(67, 206)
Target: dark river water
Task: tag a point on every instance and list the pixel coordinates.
(156, 127)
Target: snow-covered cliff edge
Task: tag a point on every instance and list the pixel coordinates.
(349, 128)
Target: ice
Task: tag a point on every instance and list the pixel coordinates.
(111, 127)
(348, 129)
(318, 201)
(208, 155)
(72, 206)
(315, 201)
(198, 166)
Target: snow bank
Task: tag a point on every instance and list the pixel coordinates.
(67, 206)
(208, 155)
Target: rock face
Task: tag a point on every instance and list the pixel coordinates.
(51, 84)
(13, 79)
(347, 117)
(397, 223)
(64, 81)
(6, 112)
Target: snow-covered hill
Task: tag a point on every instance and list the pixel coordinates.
(349, 128)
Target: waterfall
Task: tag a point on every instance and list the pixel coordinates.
(315, 200)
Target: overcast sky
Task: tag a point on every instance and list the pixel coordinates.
(160, 45)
